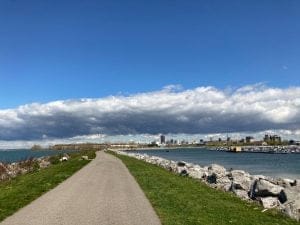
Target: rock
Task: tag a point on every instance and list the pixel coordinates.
(13, 170)
(241, 194)
(165, 164)
(182, 171)
(189, 165)
(258, 177)
(181, 163)
(269, 202)
(44, 164)
(290, 197)
(264, 188)
(292, 208)
(3, 172)
(240, 180)
(297, 183)
(198, 173)
(289, 194)
(85, 157)
(181, 168)
(63, 159)
(215, 172)
(285, 182)
(216, 169)
(173, 166)
(224, 183)
(290, 182)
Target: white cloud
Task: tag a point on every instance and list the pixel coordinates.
(202, 110)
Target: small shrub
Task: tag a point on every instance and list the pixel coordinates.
(28, 164)
(3, 171)
(36, 166)
(54, 159)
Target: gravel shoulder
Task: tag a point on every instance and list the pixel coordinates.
(102, 193)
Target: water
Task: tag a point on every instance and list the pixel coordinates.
(14, 155)
(273, 165)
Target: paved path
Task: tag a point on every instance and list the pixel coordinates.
(102, 193)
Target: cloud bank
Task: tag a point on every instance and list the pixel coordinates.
(201, 110)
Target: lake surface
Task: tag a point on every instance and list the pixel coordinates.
(14, 155)
(274, 165)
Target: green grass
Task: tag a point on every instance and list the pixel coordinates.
(20, 191)
(185, 201)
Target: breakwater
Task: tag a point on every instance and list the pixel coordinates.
(280, 193)
(263, 149)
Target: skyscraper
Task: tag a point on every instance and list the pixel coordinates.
(162, 139)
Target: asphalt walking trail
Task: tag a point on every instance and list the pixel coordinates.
(102, 193)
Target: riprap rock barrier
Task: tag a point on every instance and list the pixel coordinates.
(282, 194)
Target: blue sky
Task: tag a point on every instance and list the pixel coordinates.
(52, 50)
(76, 70)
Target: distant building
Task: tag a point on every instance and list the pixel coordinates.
(162, 139)
(201, 142)
(272, 139)
(292, 142)
(249, 139)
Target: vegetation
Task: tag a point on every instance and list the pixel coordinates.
(18, 192)
(182, 200)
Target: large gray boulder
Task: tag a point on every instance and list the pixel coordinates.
(241, 194)
(264, 188)
(240, 180)
(270, 202)
(173, 166)
(198, 173)
(44, 163)
(182, 171)
(215, 172)
(181, 163)
(292, 209)
(181, 168)
(290, 197)
(218, 170)
(284, 182)
(165, 164)
(289, 194)
(224, 183)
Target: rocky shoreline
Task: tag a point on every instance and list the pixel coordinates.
(11, 170)
(282, 194)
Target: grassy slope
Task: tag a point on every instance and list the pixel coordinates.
(20, 191)
(185, 201)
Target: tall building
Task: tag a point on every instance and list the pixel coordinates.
(162, 139)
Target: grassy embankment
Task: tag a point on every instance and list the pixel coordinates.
(18, 192)
(185, 201)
